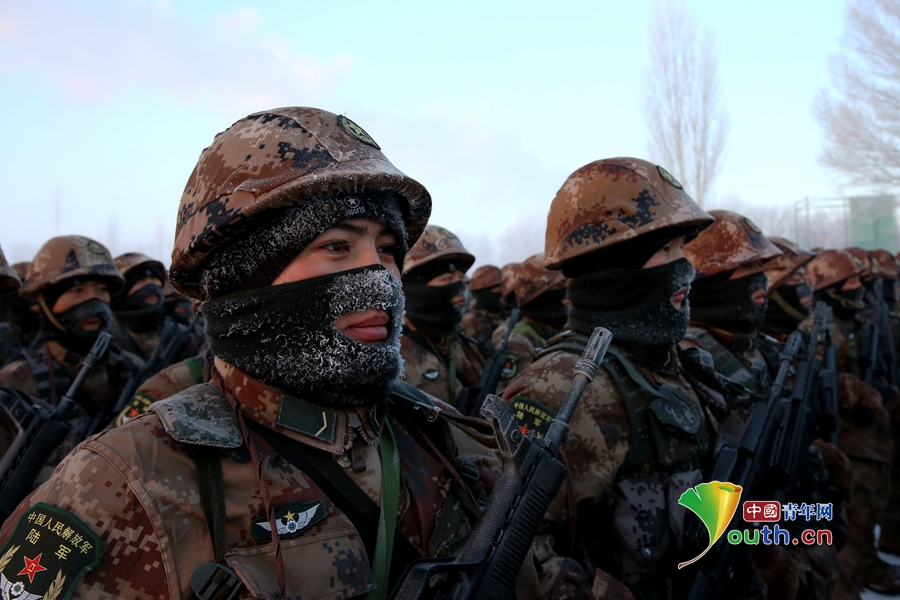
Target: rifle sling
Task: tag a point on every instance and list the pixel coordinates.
(344, 493)
(212, 494)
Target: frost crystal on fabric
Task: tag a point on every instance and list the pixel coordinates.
(285, 336)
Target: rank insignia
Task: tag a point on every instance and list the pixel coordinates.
(532, 415)
(357, 131)
(47, 555)
(669, 177)
(510, 367)
(431, 374)
(291, 519)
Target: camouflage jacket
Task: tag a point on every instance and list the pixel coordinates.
(136, 487)
(606, 479)
(524, 340)
(478, 324)
(427, 365)
(143, 343)
(168, 382)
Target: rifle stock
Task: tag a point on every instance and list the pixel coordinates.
(489, 563)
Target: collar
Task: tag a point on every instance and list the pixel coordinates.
(733, 341)
(331, 429)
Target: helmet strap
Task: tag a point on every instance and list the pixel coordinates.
(49, 313)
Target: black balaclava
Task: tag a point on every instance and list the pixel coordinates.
(72, 336)
(488, 301)
(634, 304)
(728, 303)
(17, 311)
(548, 308)
(429, 308)
(143, 310)
(844, 303)
(284, 335)
(786, 310)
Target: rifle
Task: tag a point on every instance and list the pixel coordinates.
(39, 432)
(471, 398)
(488, 564)
(888, 352)
(743, 466)
(829, 423)
(172, 341)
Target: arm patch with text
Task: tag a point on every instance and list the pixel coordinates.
(532, 415)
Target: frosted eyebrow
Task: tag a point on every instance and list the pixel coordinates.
(357, 229)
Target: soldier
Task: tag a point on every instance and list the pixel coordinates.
(177, 306)
(617, 228)
(438, 359)
(865, 435)
(18, 317)
(486, 310)
(303, 467)
(790, 297)
(9, 279)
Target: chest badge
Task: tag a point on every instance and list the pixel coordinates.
(291, 519)
(431, 374)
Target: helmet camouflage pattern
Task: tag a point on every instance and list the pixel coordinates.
(792, 258)
(486, 277)
(832, 266)
(273, 159)
(128, 261)
(883, 264)
(508, 282)
(69, 256)
(732, 241)
(863, 257)
(533, 279)
(9, 279)
(610, 201)
(436, 242)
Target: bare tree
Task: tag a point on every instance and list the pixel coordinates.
(860, 116)
(687, 124)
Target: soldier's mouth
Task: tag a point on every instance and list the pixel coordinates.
(806, 301)
(759, 296)
(678, 297)
(368, 325)
(91, 324)
(458, 301)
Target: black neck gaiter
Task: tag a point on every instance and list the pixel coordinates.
(634, 304)
(548, 308)
(75, 337)
(143, 310)
(488, 301)
(845, 304)
(728, 303)
(284, 335)
(786, 309)
(430, 309)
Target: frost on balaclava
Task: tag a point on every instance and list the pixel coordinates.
(270, 244)
(634, 304)
(284, 335)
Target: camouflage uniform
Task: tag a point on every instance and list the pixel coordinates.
(194, 480)
(625, 481)
(439, 365)
(9, 284)
(865, 435)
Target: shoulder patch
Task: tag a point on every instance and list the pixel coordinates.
(47, 555)
(138, 406)
(199, 415)
(431, 374)
(532, 415)
(510, 367)
(291, 519)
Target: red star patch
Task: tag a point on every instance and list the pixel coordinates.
(524, 429)
(32, 567)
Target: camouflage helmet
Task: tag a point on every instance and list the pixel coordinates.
(485, 277)
(436, 242)
(533, 279)
(883, 264)
(69, 256)
(508, 282)
(832, 266)
(863, 257)
(9, 279)
(792, 258)
(131, 260)
(610, 201)
(274, 159)
(732, 241)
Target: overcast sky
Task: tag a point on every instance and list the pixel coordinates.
(107, 105)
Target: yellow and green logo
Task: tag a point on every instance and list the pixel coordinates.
(714, 503)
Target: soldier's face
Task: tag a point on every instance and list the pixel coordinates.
(448, 279)
(668, 253)
(349, 245)
(140, 283)
(82, 293)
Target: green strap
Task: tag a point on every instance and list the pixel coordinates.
(387, 516)
(452, 399)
